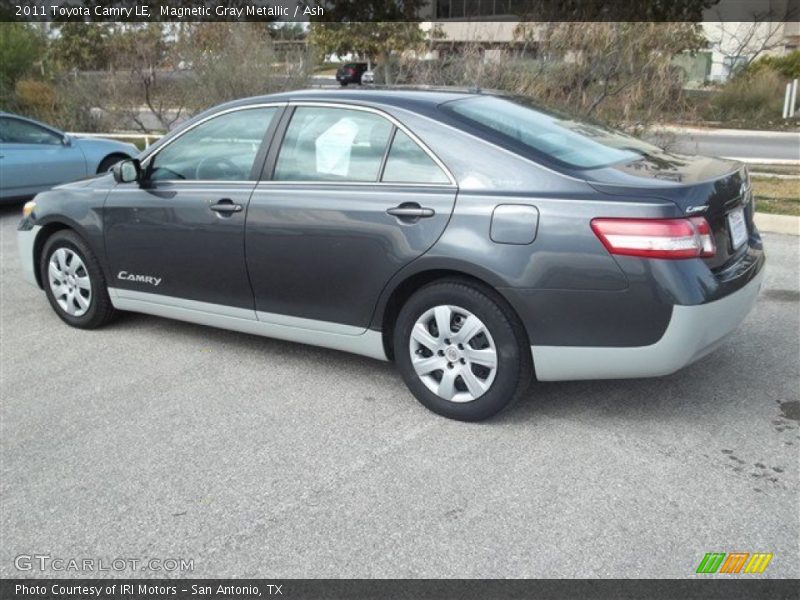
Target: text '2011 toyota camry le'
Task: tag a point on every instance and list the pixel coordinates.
(472, 239)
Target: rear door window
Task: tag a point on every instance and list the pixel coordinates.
(408, 163)
(332, 144)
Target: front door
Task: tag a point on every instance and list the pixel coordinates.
(181, 232)
(352, 199)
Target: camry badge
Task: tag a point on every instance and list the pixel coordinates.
(695, 209)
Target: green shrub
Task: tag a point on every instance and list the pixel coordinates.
(788, 66)
(750, 96)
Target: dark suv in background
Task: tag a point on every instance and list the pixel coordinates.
(350, 73)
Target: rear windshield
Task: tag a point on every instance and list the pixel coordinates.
(573, 143)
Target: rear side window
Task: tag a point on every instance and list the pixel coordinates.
(220, 149)
(408, 163)
(573, 143)
(332, 144)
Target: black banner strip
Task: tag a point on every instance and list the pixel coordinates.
(401, 10)
(729, 588)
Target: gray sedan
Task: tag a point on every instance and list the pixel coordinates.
(34, 157)
(472, 239)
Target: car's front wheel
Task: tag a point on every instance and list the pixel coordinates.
(74, 282)
(461, 350)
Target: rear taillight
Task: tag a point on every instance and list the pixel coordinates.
(350, 71)
(656, 238)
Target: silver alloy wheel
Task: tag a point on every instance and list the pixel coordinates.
(69, 282)
(453, 353)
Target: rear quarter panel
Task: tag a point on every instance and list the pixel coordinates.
(565, 286)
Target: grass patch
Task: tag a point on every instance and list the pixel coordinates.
(777, 196)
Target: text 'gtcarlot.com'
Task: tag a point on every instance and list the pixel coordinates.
(45, 562)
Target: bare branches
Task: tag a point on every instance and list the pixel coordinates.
(617, 72)
(742, 43)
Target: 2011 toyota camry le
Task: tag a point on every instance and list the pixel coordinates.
(472, 239)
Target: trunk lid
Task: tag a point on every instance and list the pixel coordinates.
(714, 188)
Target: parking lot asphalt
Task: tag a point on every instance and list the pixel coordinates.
(254, 457)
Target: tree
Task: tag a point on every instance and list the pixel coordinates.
(585, 66)
(393, 28)
(143, 76)
(22, 46)
(378, 41)
(81, 46)
(742, 43)
(225, 61)
(757, 29)
(287, 31)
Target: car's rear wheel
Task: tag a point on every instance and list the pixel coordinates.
(74, 282)
(461, 350)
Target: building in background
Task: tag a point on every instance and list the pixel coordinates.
(492, 25)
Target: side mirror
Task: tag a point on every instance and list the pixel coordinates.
(66, 140)
(127, 171)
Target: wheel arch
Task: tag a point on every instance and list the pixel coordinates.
(114, 154)
(47, 230)
(401, 290)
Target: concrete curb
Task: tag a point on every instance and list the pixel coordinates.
(729, 132)
(763, 175)
(789, 162)
(785, 224)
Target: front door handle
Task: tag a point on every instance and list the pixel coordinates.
(226, 207)
(411, 210)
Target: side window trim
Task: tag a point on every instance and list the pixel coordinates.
(266, 144)
(268, 174)
(386, 152)
(258, 162)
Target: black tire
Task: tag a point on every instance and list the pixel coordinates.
(100, 310)
(109, 161)
(514, 364)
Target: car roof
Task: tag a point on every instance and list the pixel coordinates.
(410, 98)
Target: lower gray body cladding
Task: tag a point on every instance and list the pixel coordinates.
(693, 332)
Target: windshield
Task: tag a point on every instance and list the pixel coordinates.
(573, 143)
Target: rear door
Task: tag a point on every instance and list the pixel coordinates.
(34, 158)
(349, 199)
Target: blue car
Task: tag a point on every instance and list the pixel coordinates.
(34, 157)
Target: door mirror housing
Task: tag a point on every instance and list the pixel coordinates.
(66, 140)
(127, 171)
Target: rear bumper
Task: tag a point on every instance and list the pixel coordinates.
(26, 238)
(693, 332)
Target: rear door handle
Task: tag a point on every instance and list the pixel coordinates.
(226, 207)
(411, 211)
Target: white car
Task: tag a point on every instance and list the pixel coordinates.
(368, 77)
